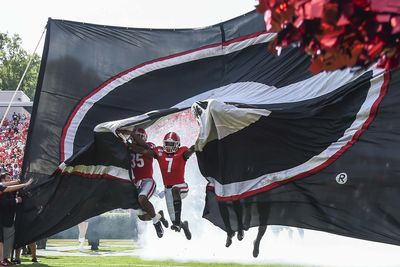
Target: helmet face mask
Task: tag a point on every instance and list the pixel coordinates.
(171, 142)
(141, 133)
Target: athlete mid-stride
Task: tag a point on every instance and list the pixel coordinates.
(142, 173)
(172, 159)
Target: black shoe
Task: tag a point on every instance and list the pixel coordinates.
(35, 260)
(176, 227)
(229, 236)
(162, 219)
(240, 235)
(159, 229)
(185, 227)
(256, 249)
(15, 261)
(228, 241)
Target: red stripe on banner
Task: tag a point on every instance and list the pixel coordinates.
(366, 124)
(96, 90)
(210, 188)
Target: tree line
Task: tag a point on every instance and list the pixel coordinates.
(13, 61)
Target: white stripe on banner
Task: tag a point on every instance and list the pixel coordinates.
(258, 93)
(210, 51)
(220, 120)
(96, 171)
(235, 190)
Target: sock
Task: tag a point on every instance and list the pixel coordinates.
(81, 239)
(156, 218)
(178, 208)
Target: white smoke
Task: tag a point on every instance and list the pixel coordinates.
(208, 241)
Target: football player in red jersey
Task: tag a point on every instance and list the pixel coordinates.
(172, 159)
(142, 172)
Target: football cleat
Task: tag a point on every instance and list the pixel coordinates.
(256, 249)
(240, 235)
(185, 227)
(162, 219)
(176, 227)
(228, 241)
(229, 236)
(159, 229)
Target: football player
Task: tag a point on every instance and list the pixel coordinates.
(172, 159)
(142, 171)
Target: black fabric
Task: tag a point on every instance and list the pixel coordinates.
(80, 57)
(68, 198)
(292, 126)
(8, 208)
(364, 207)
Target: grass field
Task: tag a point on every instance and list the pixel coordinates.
(124, 261)
(64, 253)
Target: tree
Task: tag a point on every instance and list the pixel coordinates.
(13, 61)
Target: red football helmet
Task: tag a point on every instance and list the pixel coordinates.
(172, 142)
(141, 133)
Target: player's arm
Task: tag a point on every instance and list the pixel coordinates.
(132, 139)
(122, 134)
(123, 131)
(143, 150)
(13, 188)
(188, 153)
(14, 182)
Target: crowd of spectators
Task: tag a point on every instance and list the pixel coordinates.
(13, 135)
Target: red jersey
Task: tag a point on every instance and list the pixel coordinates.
(142, 166)
(172, 165)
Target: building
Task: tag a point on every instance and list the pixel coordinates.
(21, 103)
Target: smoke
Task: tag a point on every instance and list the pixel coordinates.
(208, 241)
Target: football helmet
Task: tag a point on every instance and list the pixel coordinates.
(171, 142)
(141, 133)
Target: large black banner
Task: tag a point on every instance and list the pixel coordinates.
(277, 144)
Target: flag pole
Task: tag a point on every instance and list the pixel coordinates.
(22, 78)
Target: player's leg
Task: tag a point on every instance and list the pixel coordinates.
(181, 194)
(229, 236)
(17, 259)
(173, 197)
(176, 195)
(170, 206)
(184, 190)
(33, 250)
(82, 228)
(237, 207)
(260, 234)
(146, 190)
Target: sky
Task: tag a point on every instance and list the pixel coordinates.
(28, 18)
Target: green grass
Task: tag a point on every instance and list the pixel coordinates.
(128, 261)
(109, 250)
